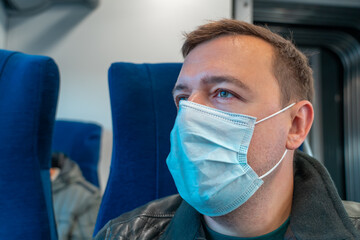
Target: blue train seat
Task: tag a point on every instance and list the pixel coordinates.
(143, 114)
(81, 142)
(28, 98)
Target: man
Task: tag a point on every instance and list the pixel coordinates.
(244, 106)
(76, 201)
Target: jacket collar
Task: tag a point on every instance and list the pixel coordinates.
(186, 224)
(317, 211)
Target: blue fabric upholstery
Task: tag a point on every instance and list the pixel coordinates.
(81, 142)
(143, 114)
(28, 98)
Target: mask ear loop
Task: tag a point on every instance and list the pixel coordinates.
(283, 156)
(278, 112)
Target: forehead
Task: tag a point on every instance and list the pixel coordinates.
(247, 58)
(226, 52)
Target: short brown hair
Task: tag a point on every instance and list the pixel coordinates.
(290, 66)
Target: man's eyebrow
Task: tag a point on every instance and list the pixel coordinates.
(215, 80)
(179, 87)
(225, 79)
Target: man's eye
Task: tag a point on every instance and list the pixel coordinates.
(179, 98)
(224, 94)
(182, 98)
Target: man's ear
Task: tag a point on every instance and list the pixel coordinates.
(302, 118)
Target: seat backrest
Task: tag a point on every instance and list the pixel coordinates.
(80, 141)
(143, 114)
(28, 97)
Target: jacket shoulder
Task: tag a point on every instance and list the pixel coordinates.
(353, 210)
(146, 222)
(88, 187)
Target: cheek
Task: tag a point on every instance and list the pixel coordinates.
(256, 149)
(266, 146)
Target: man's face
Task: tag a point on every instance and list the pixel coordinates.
(235, 74)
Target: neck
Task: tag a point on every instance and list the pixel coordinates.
(265, 211)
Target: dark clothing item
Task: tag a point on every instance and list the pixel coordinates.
(317, 212)
(277, 234)
(76, 203)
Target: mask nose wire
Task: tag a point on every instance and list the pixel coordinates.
(274, 114)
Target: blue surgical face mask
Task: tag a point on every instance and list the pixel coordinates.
(208, 158)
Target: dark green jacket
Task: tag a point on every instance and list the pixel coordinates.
(317, 213)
